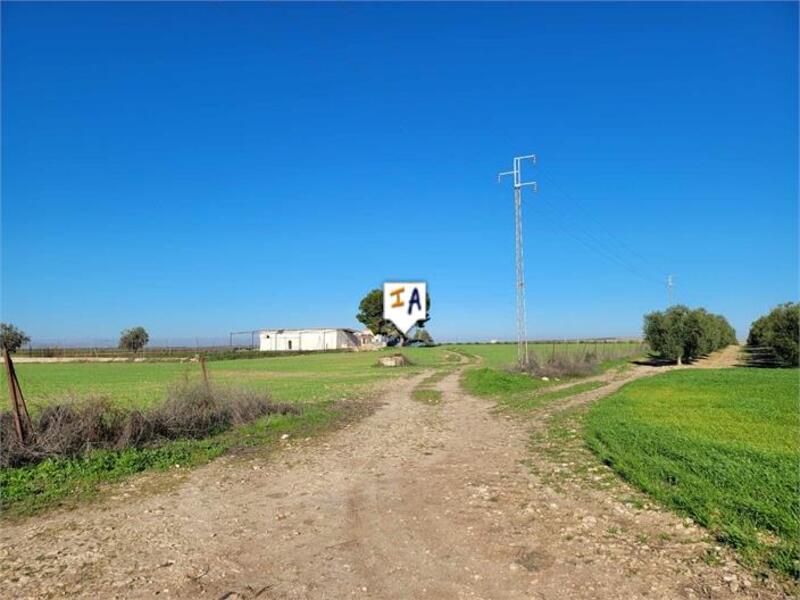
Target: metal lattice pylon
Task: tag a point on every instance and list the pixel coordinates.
(522, 329)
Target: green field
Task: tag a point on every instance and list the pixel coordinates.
(314, 380)
(298, 378)
(721, 446)
(500, 356)
(519, 391)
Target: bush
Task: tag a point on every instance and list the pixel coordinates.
(780, 332)
(567, 365)
(577, 361)
(75, 426)
(681, 333)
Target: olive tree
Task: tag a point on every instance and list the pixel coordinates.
(779, 331)
(681, 333)
(134, 339)
(11, 337)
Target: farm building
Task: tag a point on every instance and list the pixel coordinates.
(289, 340)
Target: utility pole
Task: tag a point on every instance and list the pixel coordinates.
(670, 285)
(522, 334)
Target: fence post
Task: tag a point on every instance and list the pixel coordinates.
(18, 407)
(205, 372)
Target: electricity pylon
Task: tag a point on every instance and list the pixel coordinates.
(670, 285)
(522, 333)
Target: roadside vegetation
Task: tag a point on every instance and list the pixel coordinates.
(67, 481)
(77, 426)
(498, 378)
(774, 339)
(720, 446)
(601, 355)
(520, 391)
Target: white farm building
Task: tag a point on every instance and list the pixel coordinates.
(295, 340)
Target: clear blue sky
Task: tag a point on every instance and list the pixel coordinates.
(202, 168)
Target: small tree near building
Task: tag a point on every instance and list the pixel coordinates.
(134, 339)
(11, 337)
(370, 314)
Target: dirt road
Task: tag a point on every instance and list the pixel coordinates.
(415, 501)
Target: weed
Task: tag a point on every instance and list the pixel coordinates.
(427, 396)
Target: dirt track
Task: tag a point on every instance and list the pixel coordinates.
(415, 501)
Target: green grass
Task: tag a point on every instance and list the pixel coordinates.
(426, 395)
(490, 382)
(573, 390)
(721, 446)
(315, 381)
(307, 378)
(498, 356)
(519, 391)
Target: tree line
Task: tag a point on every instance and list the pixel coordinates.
(779, 331)
(13, 338)
(681, 333)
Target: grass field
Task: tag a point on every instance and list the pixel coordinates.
(313, 380)
(519, 391)
(297, 378)
(721, 446)
(499, 356)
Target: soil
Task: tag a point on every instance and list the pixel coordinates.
(453, 500)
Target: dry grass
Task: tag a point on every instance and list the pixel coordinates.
(565, 365)
(76, 425)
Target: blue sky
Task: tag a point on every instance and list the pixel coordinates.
(203, 168)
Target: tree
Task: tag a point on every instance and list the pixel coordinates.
(681, 333)
(11, 337)
(779, 331)
(422, 335)
(370, 314)
(134, 339)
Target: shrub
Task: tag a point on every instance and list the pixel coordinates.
(681, 333)
(566, 365)
(780, 332)
(75, 426)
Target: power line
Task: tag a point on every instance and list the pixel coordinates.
(594, 245)
(619, 255)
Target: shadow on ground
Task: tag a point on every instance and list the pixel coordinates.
(763, 358)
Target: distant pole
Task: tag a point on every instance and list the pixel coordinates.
(670, 285)
(522, 333)
(205, 372)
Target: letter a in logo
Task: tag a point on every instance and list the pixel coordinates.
(402, 303)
